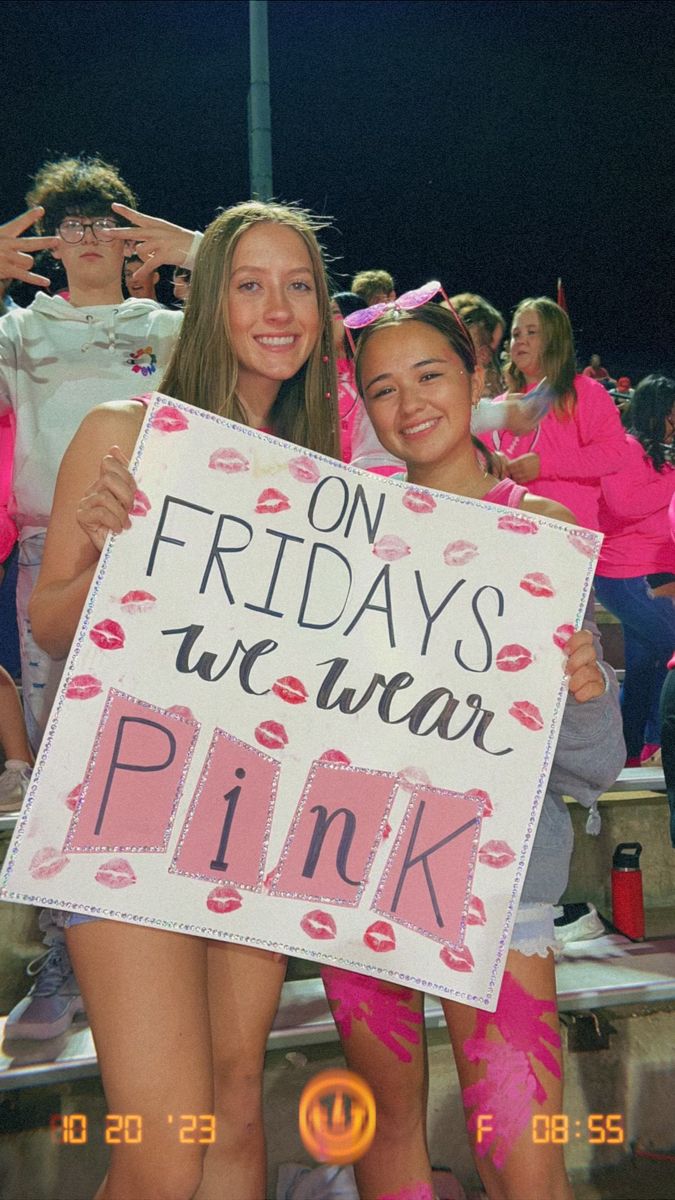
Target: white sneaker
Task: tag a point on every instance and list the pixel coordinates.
(578, 923)
(14, 785)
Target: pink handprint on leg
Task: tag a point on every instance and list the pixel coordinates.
(510, 1084)
(383, 1007)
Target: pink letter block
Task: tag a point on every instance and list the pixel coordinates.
(227, 828)
(335, 834)
(134, 778)
(426, 884)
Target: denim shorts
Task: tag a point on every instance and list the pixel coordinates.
(533, 929)
(71, 919)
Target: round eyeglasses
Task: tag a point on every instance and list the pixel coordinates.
(72, 229)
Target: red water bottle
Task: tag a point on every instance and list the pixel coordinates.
(628, 910)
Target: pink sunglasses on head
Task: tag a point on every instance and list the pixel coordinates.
(413, 299)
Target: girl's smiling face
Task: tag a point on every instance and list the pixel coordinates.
(273, 310)
(418, 394)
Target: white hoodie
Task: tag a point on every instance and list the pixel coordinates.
(58, 362)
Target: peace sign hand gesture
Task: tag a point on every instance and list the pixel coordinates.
(16, 252)
(154, 240)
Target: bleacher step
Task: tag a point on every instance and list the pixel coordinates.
(604, 973)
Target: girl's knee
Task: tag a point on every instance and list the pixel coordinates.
(175, 1174)
(238, 1096)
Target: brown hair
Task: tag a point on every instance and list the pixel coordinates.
(203, 368)
(558, 358)
(79, 186)
(368, 283)
(475, 310)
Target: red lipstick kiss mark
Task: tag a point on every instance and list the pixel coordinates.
(456, 554)
(290, 689)
(168, 420)
(418, 502)
(580, 543)
(228, 460)
(537, 584)
(496, 854)
(513, 658)
(318, 925)
(223, 899)
(272, 735)
(528, 715)
(138, 601)
(304, 470)
(83, 687)
(73, 797)
(390, 547)
(141, 505)
(116, 873)
(380, 937)
(476, 913)
(107, 635)
(457, 960)
(179, 710)
(47, 862)
(515, 523)
(335, 756)
(272, 501)
(562, 635)
(480, 797)
(410, 778)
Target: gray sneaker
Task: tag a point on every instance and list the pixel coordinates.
(13, 785)
(52, 1002)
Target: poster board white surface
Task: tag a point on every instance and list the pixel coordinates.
(308, 709)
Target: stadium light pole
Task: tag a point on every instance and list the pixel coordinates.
(259, 115)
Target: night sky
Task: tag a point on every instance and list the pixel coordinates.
(493, 145)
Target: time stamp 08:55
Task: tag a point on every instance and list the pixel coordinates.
(596, 1129)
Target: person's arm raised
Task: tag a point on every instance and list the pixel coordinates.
(155, 241)
(84, 512)
(16, 252)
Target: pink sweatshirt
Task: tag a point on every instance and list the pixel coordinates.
(634, 516)
(348, 404)
(8, 530)
(575, 452)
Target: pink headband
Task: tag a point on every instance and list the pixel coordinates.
(413, 299)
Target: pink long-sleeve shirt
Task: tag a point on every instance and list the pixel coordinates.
(634, 515)
(576, 452)
(8, 530)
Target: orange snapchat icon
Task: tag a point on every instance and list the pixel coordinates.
(337, 1117)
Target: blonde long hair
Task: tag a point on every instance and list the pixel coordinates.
(203, 368)
(558, 358)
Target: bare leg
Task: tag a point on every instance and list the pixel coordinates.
(145, 994)
(244, 985)
(510, 1067)
(13, 736)
(381, 1028)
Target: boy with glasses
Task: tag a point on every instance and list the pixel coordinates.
(58, 360)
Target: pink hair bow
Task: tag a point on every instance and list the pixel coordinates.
(412, 299)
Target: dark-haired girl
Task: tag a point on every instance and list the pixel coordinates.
(638, 553)
(416, 371)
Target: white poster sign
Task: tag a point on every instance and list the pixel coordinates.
(307, 709)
